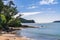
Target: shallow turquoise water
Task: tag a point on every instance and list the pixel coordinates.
(49, 31)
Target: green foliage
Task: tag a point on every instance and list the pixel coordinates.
(1, 5)
(2, 19)
(7, 13)
(14, 23)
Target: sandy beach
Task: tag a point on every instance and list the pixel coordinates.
(12, 37)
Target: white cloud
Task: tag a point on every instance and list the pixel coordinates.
(6, 1)
(30, 13)
(47, 2)
(32, 7)
(25, 14)
(11, 0)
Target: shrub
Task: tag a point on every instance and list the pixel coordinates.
(14, 23)
(2, 19)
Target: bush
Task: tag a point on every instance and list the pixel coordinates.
(2, 19)
(14, 23)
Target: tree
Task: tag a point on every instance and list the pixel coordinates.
(1, 5)
(8, 12)
(3, 20)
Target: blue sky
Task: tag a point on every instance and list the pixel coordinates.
(42, 11)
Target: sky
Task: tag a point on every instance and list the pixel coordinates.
(42, 11)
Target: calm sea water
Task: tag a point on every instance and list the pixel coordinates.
(46, 31)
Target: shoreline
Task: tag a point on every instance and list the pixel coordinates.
(12, 37)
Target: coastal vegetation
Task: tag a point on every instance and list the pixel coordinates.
(7, 13)
(7, 19)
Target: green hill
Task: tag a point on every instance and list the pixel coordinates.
(26, 21)
(56, 21)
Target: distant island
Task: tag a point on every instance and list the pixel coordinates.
(56, 22)
(26, 21)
